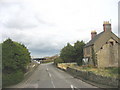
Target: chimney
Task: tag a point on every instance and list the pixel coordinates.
(106, 26)
(93, 34)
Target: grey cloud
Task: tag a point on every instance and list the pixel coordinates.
(37, 46)
(18, 25)
(44, 51)
(44, 48)
(18, 15)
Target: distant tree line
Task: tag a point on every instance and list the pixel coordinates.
(15, 58)
(71, 53)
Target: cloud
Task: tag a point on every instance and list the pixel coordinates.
(45, 26)
(17, 15)
(44, 41)
(39, 43)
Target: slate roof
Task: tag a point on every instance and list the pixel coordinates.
(91, 42)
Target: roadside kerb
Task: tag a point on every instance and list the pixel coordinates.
(31, 70)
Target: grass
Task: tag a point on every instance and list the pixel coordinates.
(65, 65)
(109, 72)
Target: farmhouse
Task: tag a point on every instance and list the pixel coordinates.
(102, 49)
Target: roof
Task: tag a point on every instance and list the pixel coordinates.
(91, 42)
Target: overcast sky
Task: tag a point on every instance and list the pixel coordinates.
(45, 26)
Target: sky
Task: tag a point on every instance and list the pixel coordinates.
(46, 26)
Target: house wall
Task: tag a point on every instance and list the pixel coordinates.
(101, 41)
(108, 55)
(103, 56)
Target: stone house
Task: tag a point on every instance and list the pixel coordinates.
(102, 49)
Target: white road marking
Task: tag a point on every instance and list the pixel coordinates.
(53, 84)
(72, 87)
(49, 74)
(50, 77)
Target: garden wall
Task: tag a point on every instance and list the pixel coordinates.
(87, 75)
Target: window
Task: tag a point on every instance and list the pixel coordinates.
(111, 43)
(116, 41)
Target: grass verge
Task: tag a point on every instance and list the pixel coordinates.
(109, 72)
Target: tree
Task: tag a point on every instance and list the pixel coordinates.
(15, 58)
(78, 46)
(67, 53)
(73, 53)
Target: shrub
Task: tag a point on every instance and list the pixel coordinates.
(58, 60)
(12, 78)
(15, 58)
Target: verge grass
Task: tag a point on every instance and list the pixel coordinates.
(108, 72)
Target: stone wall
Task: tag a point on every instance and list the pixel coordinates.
(108, 55)
(87, 75)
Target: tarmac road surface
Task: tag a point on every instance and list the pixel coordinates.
(48, 76)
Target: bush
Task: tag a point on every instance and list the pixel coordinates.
(15, 58)
(12, 78)
(47, 61)
(58, 60)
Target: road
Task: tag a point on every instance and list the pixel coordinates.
(48, 76)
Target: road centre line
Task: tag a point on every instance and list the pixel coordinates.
(73, 87)
(50, 77)
(49, 74)
(53, 84)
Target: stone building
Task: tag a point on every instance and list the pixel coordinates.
(102, 49)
